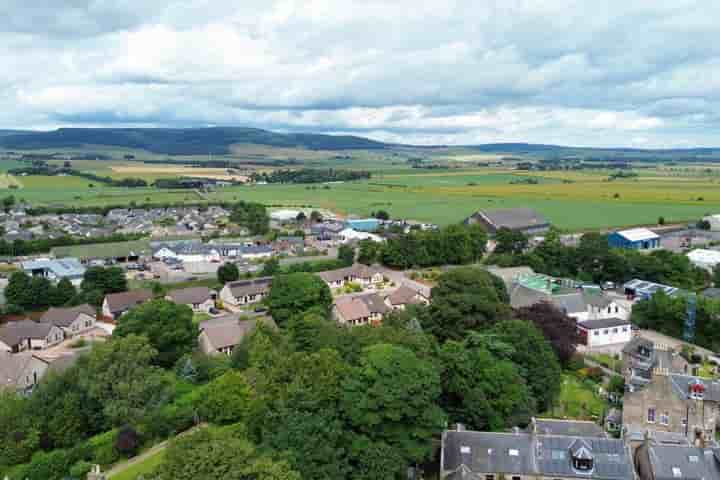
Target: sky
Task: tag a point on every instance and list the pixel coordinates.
(638, 73)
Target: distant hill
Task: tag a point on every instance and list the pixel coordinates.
(187, 141)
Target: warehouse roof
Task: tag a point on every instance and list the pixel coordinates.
(513, 218)
(62, 267)
(638, 234)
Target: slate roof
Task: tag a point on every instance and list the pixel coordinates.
(522, 296)
(190, 296)
(514, 218)
(120, 302)
(357, 271)
(577, 302)
(13, 366)
(536, 455)
(14, 333)
(229, 330)
(509, 274)
(361, 306)
(603, 323)
(404, 295)
(256, 286)
(64, 317)
(681, 383)
(689, 463)
(550, 426)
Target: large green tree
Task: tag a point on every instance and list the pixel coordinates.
(19, 433)
(226, 400)
(296, 293)
(168, 326)
(252, 216)
(228, 272)
(105, 280)
(391, 397)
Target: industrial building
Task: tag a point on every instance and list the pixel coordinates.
(636, 239)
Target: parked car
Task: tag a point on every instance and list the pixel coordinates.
(213, 311)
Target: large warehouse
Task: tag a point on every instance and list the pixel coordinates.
(636, 239)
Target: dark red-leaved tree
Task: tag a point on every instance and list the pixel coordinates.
(127, 441)
(558, 328)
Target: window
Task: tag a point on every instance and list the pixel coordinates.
(614, 330)
(515, 478)
(651, 415)
(624, 329)
(513, 452)
(557, 454)
(605, 332)
(676, 472)
(664, 418)
(617, 309)
(596, 333)
(609, 310)
(489, 477)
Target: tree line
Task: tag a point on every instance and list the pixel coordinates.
(45, 169)
(310, 175)
(20, 247)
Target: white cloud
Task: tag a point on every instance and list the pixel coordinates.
(601, 73)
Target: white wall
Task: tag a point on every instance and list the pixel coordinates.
(609, 336)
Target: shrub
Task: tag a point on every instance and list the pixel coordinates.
(80, 469)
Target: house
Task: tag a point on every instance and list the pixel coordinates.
(200, 299)
(636, 239)
(243, 292)
(360, 310)
(469, 455)
(671, 462)
(602, 332)
(349, 235)
(28, 335)
(73, 320)
(705, 259)
(55, 270)
(585, 305)
(404, 296)
(714, 221)
(525, 220)
(20, 372)
(644, 290)
(360, 274)
(661, 397)
(191, 251)
(116, 304)
(363, 224)
(222, 334)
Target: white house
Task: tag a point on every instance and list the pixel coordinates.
(188, 252)
(584, 306)
(244, 292)
(705, 259)
(350, 235)
(604, 332)
(72, 321)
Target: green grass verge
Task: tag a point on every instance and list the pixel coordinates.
(143, 468)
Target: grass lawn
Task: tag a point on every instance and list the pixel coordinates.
(200, 317)
(607, 361)
(143, 468)
(577, 400)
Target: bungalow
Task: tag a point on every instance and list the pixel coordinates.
(28, 335)
(404, 296)
(635, 239)
(584, 306)
(222, 334)
(244, 292)
(188, 252)
(605, 331)
(72, 321)
(200, 299)
(360, 310)
(20, 372)
(116, 304)
(360, 274)
(705, 259)
(55, 270)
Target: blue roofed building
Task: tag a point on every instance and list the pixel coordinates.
(55, 269)
(363, 224)
(636, 239)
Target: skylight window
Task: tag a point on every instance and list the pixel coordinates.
(676, 472)
(557, 455)
(693, 459)
(514, 452)
(465, 450)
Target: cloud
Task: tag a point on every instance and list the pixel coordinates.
(552, 71)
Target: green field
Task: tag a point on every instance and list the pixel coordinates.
(571, 200)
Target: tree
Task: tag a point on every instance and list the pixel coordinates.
(168, 326)
(368, 252)
(346, 254)
(716, 276)
(119, 376)
(271, 267)
(464, 299)
(382, 215)
(301, 217)
(204, 454)
(312, 332)
(315, 217)
(17, 291)
(40, 290)
(510, 241)
(127, 441)
(63, 293)
(19, 435)
(296, 293)
(226, 400)
(558, 328)
(535, 359)
(8, 202)
(482, 390)
(105, 280)
(252, 216)
(228, 272)
(661, 220)
(407, 388)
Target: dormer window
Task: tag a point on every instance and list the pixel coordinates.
(583, 464)
(582, 457)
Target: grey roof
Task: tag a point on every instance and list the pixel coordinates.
(551, 426)
(229, 330)
(534, 454)
(509, 274)
(119, 302)
(64, 317)
(14, 333)
(689, 463)
(13, 366)
(514, 218)
(570, 303)
(190, 296)
(255, 286)
(682, 383)
(404, 295)
(348, 273)
(63, 267)
(522, 296)
(603, 323)
(711, 293)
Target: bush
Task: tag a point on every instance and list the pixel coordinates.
(80, 469)
(576, 363)
(103, 448)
